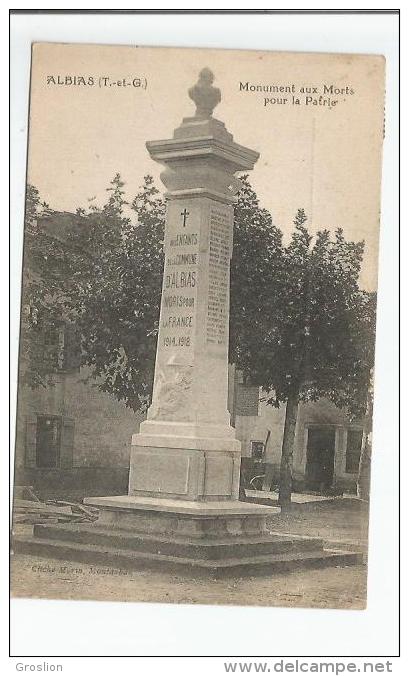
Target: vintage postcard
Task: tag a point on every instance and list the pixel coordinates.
(196, 370)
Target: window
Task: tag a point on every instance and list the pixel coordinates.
(60, 347)
(49, 442)
(257, 450)
(354, 441)
(51, 345)
(71, 355)
(247, 400)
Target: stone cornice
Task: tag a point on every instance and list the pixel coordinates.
(171, 150)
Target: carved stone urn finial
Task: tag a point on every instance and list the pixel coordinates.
(205, 96)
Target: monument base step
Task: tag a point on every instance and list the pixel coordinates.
(233, 556)
(212, 548)
(174, 519)
(214, 538)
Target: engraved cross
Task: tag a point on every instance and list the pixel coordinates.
(184, 214)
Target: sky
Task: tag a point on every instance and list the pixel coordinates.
(324, 157)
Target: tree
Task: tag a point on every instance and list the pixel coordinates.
(45, 303)
(255, 275)
(111, 272)
(300, 326)
(117, 268)
(318, 335)
(99, 275)
(119, 336)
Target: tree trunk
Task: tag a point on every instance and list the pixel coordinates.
(286, 467)
(364, 470)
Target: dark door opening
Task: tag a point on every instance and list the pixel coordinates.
(319, 470)
(48, 441)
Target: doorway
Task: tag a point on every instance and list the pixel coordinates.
(319, 471)
(48, 441)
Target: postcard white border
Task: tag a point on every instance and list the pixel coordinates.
(59, 627)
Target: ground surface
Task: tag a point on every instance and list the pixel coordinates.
(343, 519)
(338, 587)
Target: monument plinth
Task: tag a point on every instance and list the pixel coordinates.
(182, 506)
(186, 449)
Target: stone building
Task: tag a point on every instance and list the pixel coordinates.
(72, 439)
(327, 444)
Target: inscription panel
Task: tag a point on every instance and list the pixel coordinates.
(219, 265)
(180, 280)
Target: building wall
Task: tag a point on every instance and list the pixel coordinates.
(96, 446)
(322, 413)
(96, 454)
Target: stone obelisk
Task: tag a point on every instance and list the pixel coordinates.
(182, 507)
(185, 459)
(186, 449)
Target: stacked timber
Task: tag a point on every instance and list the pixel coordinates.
(51, 511)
